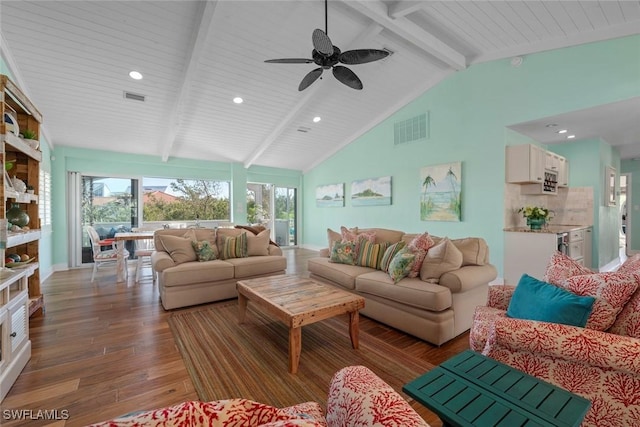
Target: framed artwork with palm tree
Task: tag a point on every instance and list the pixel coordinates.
(441, 192)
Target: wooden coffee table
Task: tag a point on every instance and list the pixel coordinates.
(298, 301)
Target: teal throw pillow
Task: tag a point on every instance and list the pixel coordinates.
(401, 264)
(534, 299)
(343, 253)
(204, 251)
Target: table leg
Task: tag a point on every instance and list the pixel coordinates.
(120, 264)
(354, 328)
(295, 348)
(242, 307)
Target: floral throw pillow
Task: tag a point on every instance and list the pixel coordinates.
(631, 265)
(611, 290)
(401, 264)
(419, 247)
(204, 251)
(343, 253)
(561, 267)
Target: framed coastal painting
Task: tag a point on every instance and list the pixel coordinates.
(441, 192)
(371, 191)
(330, 195)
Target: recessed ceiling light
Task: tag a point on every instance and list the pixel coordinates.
(316, 119)
(135, 75)
(238, 100)
(570, 136)
(562, 131)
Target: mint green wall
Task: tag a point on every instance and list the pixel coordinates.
(633, 167)
(105, 163)
(468, 113)
(588, 160)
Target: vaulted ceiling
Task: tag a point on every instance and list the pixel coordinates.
(73, 59)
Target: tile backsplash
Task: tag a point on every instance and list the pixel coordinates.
(572, 206)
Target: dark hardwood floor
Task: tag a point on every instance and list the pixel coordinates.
(105, 349)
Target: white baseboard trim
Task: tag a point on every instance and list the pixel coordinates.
(312, 247)
(611, 266)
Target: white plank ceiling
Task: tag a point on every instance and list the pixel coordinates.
(73, 59)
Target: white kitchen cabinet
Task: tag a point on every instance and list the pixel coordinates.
(525, 163)
(563, 173)
(527, 252)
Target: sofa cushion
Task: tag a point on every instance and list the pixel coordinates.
(190, 273)
(611, 290)
(258, 244)
(474, 250)
(628, 321)
(560, 267)
(370, 254)
(343, 253)
(401, 264)
(419, 247)
(204, 250)
(534, 299)
(411, 292)
(234, 247)
(389, 253)
(630, 265)
(179, 248)
(440, 259)
(256, 266)
(341, 274)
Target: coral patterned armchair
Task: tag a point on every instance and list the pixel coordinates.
(357, 397)
(600, 361)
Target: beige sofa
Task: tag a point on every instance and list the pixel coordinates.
(183, 280)
(435, 310)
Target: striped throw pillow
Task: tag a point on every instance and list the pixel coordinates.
(389, 254)
(235, 247)
(370, 254)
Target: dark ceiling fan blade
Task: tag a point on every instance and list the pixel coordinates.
(311, 77)
(347, 77)
(362, 56)
(290, 61)
(322, 42)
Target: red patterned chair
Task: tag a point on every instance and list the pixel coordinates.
(357, 397)
(600, 365)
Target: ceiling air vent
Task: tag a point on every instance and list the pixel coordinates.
(410, 130)
(303, 129)
(134, 96)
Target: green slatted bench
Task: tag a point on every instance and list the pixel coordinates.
(473, 390)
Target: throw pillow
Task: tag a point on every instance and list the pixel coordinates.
(179, 248)
(537, 300)
(628, 321)
(560, 267)
(441, 258)
(474, 250)
(258, 245)
(234, 247)
(611, 290)
(419, 247)
(370, 254)
(223, 232)
(401, 264)
(204, 250)
(349, 235)
(343, 253)
(389, 254)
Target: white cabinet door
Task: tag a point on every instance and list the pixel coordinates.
(525, 163)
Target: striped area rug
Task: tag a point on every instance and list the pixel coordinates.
(226, 359)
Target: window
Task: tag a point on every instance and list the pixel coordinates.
(44, 199)
(165, 199)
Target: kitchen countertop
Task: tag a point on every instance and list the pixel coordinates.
(551, 229)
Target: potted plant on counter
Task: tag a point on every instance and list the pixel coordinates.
(536, 216)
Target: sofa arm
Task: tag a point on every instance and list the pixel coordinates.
(161, 260)
(569, 343)
(324, 253)
(357, 396)
(468, 277)
(500, 296)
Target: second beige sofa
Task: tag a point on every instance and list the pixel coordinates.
(434, 312)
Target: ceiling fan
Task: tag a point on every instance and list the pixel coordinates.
(327, 56)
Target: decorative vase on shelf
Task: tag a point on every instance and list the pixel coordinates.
(17, 216)
(536, 224)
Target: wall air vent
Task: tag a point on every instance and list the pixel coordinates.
(134, 96)
(413, 129)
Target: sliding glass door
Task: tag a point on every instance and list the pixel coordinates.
(273, 208)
